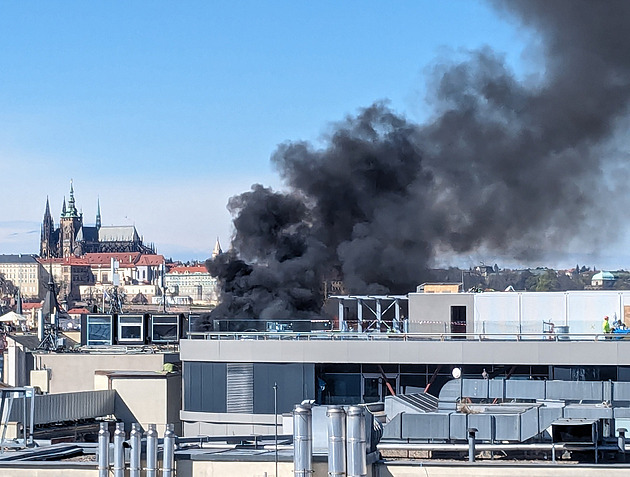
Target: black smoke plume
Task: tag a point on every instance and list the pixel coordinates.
(503, 165)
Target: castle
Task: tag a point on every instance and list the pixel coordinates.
(72, 238)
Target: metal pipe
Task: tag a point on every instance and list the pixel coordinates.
(357, 442)
(119, 451)
(302, 441)
(31, 419)
(40, 325)
(135, 438)
(471, 444)
(152, 451)
(341, 316)
(103, 450)
(336, 417)
(168, 453)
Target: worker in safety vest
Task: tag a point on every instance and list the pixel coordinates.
(606, 325)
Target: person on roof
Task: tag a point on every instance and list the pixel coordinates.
(606, 325)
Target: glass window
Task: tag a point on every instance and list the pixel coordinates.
(165, 328)
(130, 328)
(99, 330)
(339, 388)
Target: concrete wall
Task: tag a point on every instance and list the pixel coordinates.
(75, 371)
(390, 349)
(145, 399)
(425, 308)
(16, 371)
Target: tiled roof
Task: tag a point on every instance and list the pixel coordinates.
(75, 261)
(126, 258)
(147, 260)
(31, 306)
(78, 311)
(20, 258)
(191, 269)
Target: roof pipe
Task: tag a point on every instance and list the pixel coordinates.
(336, 417)
(357, 442)
(302, 440)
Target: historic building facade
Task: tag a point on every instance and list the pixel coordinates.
(73, 238)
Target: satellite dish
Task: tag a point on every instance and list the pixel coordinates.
(457, 373)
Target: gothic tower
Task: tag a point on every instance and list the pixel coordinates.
(70, 223)
(48, 245)
(98, 214)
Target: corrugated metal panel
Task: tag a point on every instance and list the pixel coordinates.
(508, 427)
(547, 415)
(425, 426)
(451, 391)
(621, 391)
(529, 423)
(393, 429)
(575, 390)
(484, 425)
(524, 389)
(458, 426)
(588, 412)
(62, 407)
(476, 388)
(496, 388)
(240, 387)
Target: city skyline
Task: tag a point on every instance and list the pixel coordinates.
(164, 112)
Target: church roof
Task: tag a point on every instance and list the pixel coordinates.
(217, 249)
(123, 258)
(114, 233)
(89, 234)
(603, 276)
(72, 260)
(149, 260)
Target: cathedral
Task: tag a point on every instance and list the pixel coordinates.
(72, 238)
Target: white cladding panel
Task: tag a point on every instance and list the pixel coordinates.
(542, 306)
(497, 312)
(586, 310)
(525, 312)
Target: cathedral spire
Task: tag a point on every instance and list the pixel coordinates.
(217, 249)
(63, 209)
(98, 213)
(48, 226)
(72, 209)
(47, 213)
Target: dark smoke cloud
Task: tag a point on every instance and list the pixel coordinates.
(502, 165)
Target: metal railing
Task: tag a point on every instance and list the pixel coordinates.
(379, 336)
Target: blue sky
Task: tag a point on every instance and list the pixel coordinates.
(166, 109)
